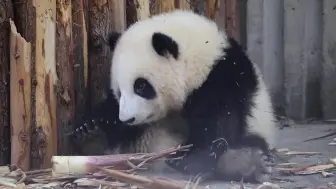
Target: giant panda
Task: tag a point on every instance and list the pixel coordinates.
(181, 63)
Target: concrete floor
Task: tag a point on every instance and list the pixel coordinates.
(292, 138)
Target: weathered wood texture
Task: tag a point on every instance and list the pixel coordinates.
(156, 7)
(211, 7)
(184, 4)
(20, 91)
(24, 18)
(65, 71)
(220, 17)
(230, 16)
(232, 24)
(80, 55)
(6, 12)
(136, 10)
(103, 19)
(46, 78)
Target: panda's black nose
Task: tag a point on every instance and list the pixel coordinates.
(129, 120)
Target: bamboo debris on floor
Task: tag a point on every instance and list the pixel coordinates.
(114, 171)
(124, 171)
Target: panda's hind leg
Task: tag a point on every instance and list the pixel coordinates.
(250, 160)
(249, 164)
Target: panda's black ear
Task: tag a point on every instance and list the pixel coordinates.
(112, 39)
(164, 44)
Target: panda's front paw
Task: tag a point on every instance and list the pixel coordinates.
(249, 164)
(87, 129)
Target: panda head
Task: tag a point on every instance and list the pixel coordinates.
(157, 62)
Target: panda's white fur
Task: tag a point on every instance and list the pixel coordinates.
(135, 56)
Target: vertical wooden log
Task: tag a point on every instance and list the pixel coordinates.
(232, 19)
(45, 138)
(36, 21)
(102, 21)
(157, 7)
(184, 4)
(20, 89)
(211, 7)
(24, 17)
(136, 10)
(231, 15)
(80, 57)
(220, 18)
(65, 71)
(119, 15)
(6, 9)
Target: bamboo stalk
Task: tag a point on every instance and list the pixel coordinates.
(62, 165)
(137, 10)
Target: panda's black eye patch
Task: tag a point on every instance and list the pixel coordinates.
(143, 88)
